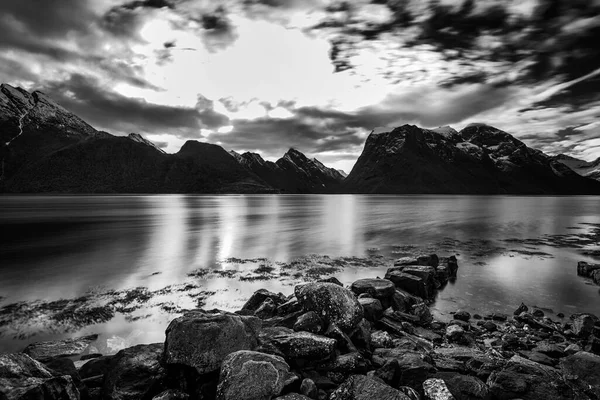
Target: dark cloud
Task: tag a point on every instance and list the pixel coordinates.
(112, 111)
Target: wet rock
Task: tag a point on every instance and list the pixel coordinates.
(381, 339)
(522, 308)
(464, 387)
(442, 274)
(431, 260)
(427, 334)
(583, 324)
(250, 375)
(538, 313)
(296, 345)
(413, 366)
(462, 315)
(289, 307)
(65, 366)
(293, 396)
(309, 322)
(572, 349)
(427, 274)
(381, 289)
(331, 302)
(344, 365)
(134, 373)
(455, 333)
(490, 326)
(360, 387)
(266, 310)
(499, 317)
(201, 339)
(259, 297)
(586, 269)
(596, 277)
(451, 263)
(422, 312)
(372, 308)
(407, 282)
(96, 366)
(171, 394)
(43, 351)
(550, 349)
(436, 389)
(538, 358)
(309, 389)
(584, 369)
(331, 279)
(23, 378)
(525, 379)
(560, 315)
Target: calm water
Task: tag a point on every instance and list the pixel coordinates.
(55, 247)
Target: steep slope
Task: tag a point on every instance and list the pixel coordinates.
(479, 159)
(136, 137)
(32, 126)
(293, 173)
(590, 169)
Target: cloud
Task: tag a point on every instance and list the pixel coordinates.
(114, 112)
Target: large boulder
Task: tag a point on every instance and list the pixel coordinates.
(250, 375)
(135, 373)
(407, 282)
(380, 289)
(23, 378)
(360, 387)
(372, 308)
(333, 303)
(583, 368)
(426, 273)
(583, 324)
(202, 340)
(528, 380)
(43, 351)
(296, 345)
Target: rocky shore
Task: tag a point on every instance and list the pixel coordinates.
(375, 339)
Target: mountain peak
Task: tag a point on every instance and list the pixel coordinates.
(136, 137)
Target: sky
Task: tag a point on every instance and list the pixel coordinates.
(316, 75)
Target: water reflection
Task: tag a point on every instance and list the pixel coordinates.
(62, 246)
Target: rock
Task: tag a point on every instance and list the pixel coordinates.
(596, 277)
(171, 394)
(96, 366)
(583, 325)
(372, 308)
(455, 333)
(462, 315)
(464, 387)
(333, 303)
(289, 307)
(572, 349)
(525, 379)
(436, 389)
(381, 339)
(538, 358)
(522, 308)
(538, 313)
(250, 375)
(309, 389)
(431, 260)
(427, 334)
(309, 322)
(202, 340)
(442, 274)
(499, 317)
(584, 369)
(550, 349)
(423, 313)
(346, 364)
(360, 387)
(297, 345)
(407, 282)
(43, 351)
(409, 392)
(259, 297)
(293, 396)
(267, 309)
(412, 365)
(23, 378)
(490, 326)
(381, 289)
(586, 269)
(134, 373)
(65, 366)
(560, 315)
(451, 263)
(331, 279)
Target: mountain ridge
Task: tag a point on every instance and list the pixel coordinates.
(46, 148)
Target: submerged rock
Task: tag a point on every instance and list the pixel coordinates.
(331, 302)
(43, 351)
(249, 375)
(202, 340)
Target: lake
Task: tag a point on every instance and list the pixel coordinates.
(126, 265)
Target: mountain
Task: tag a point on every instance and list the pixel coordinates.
(480, 159)
(48, 149)
(293, 173)
(590, 169)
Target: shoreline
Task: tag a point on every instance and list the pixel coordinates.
(376, 338)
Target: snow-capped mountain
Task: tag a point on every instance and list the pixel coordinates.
(478, 159)
(590, 169)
